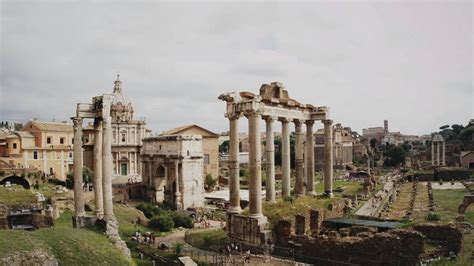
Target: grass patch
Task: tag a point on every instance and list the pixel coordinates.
(16, 195)
(448, 201)
(350, 187)
(207, 239)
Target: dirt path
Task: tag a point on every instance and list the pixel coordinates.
(402, 204)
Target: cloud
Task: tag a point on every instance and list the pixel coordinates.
(410, 63)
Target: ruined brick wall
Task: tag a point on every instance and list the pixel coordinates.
(448, 234)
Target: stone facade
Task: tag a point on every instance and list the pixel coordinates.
(173, 170)
(343, 143)
(210, 146)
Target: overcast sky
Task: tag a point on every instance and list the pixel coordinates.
(410, 63)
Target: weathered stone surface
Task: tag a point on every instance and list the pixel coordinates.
(33, 258)
(448, 234)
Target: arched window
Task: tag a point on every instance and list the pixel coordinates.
(160, 171)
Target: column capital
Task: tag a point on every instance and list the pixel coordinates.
(309, 122)
(284, 120)
(327, 122)
(269, 118)
(253, 113)
(98, 124)
(77, 121)
(233, 116)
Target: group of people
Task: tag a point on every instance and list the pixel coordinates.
(147, 238)
(235, 248)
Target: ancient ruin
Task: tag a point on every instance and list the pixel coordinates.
(272, 104)
(173, 170)
(439, 143)
(99, 110)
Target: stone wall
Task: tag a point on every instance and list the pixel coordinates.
(447, 234)
(249, 232)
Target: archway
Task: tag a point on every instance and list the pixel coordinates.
(468, 199)
(18, 180)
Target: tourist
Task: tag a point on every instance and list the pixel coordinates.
(247, 256)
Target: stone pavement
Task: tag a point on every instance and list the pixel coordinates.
(372, 207)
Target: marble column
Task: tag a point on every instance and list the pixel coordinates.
(255, 166)
(77, 171)
(443, 154)
(107, 165)
(270, 167)
(432, 153)
(328, 157)
(285, 157)
(179, 205)
(310, 158)
(99, 200)
(437, 154)
(234, 178)
(299, 184)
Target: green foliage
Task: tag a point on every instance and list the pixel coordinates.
(57, 182)
(373, 143)
(406, 223)
(289, 199)
(433, 216)
(210, 182)
(162, 222)
(242, 172)
(182, 220)
(178, 248)
(224, 147)
(148, 209)
(444, 127)
(395, 156)
(208, 239)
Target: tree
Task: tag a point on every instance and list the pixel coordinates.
(224, 147)
(18, 126)
(373, 143)
(395, 156)
(210, 182)
(162, 222)
(444, 127)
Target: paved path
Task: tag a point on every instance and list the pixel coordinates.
(372, 206)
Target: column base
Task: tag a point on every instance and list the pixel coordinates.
(311, 193)
(99, 214)
(256, 216)
(299, 195)
(83, 221)
(328, 194)
(234, 209)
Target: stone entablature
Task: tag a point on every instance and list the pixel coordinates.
(173, 170)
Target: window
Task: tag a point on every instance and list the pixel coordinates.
(61, 141)
(123, 137)
(72, 141)
(35, 155)
(206, 158)
(48, 140)
(70, 155)
(160, 171)
(14, 145)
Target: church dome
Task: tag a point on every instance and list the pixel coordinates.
(121, 109)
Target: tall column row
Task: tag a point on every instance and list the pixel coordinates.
(438, 153)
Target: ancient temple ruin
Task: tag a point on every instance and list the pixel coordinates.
(438, 143)
(272, 104)
(99, 111)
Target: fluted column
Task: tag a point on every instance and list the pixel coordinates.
(328, 157)
(299, 184)
(99, 200)
(285, 157)
(432, 153)
(255, 165)
(107, 164)
(179, 205)
(234, 178)
(310, 158)
(443, 154)
(78, 186)
(437, 154)
(270, 167)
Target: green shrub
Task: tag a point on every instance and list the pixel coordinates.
(148, 209)
(57, 182)
(210, 182)
(182, 220)
(289, 199)
(433, 216)
(162, 222)
(178, 248)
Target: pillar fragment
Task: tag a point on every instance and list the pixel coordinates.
(443, 154)
(98, 198)
(310, 158)
(107, 164)
(179, 205)
(234, 178)
(328, 157)
(78, 186)
(270, 166)
(300, 183)
(255, 166)
(437, 154)
(285, 157)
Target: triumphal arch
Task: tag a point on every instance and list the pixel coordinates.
(272, 104)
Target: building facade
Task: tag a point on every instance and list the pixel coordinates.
(173, 170)
(343, 141)
(127, 139)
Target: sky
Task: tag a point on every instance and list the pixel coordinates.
(409, 62)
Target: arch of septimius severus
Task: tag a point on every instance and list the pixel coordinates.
(99, 111)
(272, 104)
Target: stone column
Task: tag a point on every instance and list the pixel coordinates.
(179, 205)
(107, 165)
(443, 154)
(285, 157)
(328, 157)
(310, 158)
(270, 152)
(234, 178)
(78, 187)
(99, 200)
(299, 184)
(437, 154)
(432, 153)
(255, 166)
